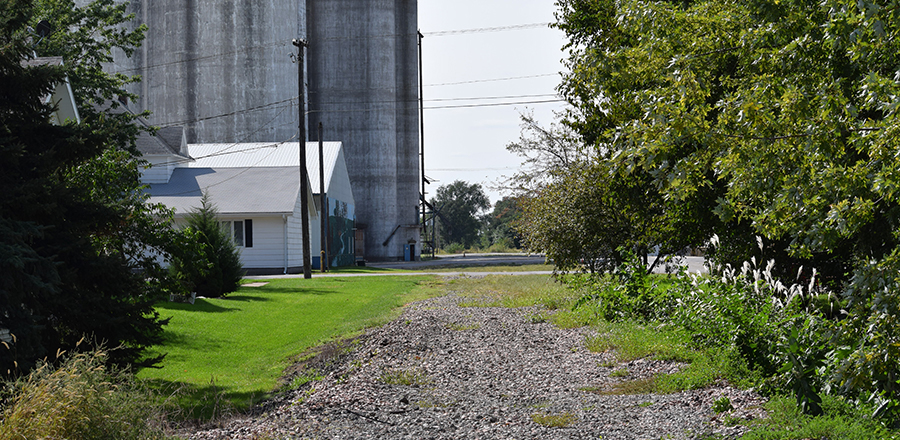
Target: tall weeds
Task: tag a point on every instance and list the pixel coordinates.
(79, 399)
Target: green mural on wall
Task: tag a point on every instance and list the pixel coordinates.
(341, 225)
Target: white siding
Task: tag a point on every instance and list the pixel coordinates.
(295, 236)
(339, 185)
(268, 243)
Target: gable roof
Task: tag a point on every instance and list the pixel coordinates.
(167, 141)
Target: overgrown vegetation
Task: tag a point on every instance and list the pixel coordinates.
(761, 131)
(741, 326)
(82, 398)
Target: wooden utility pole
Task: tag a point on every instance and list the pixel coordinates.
(323, 202)
(304, 174)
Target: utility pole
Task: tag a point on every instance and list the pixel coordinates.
(323, 258)
(304, 174)
(422, 142)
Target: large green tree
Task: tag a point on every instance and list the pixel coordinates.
(778, 116)
(585, 214)
(77, 238)
(460, 205)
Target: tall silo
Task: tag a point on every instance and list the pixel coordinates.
(220, 68)
(363, 87)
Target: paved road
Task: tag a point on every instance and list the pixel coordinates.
(463, 261)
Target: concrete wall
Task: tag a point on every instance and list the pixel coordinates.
(206, 58)
(363, 86)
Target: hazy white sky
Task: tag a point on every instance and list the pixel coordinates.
(469, 143)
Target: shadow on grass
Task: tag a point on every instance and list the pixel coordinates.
(360, 269)
(200, 305)
(188, 403)
(246, 298)
(298, 292)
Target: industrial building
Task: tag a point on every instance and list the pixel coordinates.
(225, 71)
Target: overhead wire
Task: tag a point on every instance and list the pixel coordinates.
(287, 43)
(514, 27)
(474, 81)
(363, 110)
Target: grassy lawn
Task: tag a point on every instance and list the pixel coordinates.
(224, 354)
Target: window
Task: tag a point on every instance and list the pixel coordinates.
(241, 230)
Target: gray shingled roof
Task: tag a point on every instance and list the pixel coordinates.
(43, 61)
(270, 190)
(167, 141)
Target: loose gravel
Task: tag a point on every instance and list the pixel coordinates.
(442, 371)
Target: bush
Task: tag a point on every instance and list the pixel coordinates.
(631, 292)
(208, 261)
(454, 248)
(81, 399)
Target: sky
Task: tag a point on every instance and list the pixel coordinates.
(469, 143)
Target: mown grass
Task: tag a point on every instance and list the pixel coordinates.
(226, 354)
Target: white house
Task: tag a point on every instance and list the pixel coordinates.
(256, 190)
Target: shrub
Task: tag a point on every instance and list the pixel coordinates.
(629, 293)
(81, 399)
(208, 261)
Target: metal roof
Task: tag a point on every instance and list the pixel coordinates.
(266, 154)
(271, 190)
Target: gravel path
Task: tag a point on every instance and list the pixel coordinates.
(442, 371)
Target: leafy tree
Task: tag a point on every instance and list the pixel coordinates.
(778, 117)
(460, 204)
(210, 262)
(500, 224)
(75, 230)
(583, 213)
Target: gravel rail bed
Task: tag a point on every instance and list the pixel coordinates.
(442, 371)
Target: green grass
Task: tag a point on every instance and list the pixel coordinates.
(513, 291)
(492, 268)
(554, 420)
(840, 422)
(229, 353)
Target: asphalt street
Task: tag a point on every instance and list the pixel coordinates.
(468, 261)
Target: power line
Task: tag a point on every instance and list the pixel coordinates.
(510, 78)
(514, 27)
(203, 57)
(288, 103)
(236, 112)
(364, 37)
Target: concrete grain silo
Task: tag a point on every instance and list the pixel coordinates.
(363, 87)
(220, 68)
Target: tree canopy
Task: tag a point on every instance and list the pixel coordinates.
(777, 117)
(460, 205)
(780, 114)
(77, 238)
